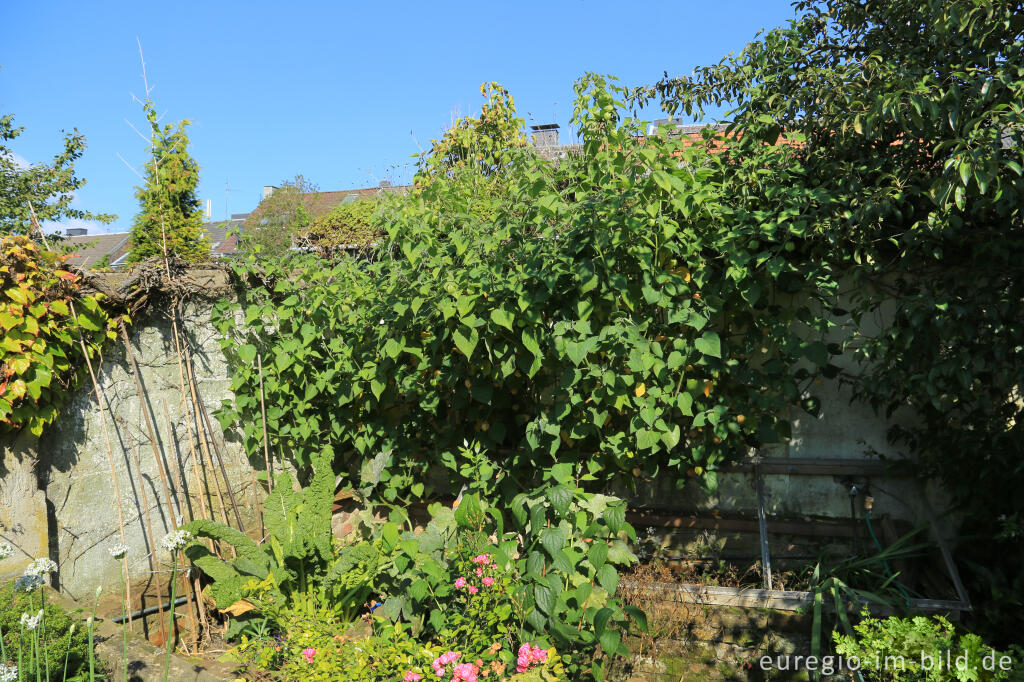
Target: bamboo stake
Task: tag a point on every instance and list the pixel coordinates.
(205, 423)
(149, 531)
(204, 445)
(195, 588)
(101, 400)
(266, 441)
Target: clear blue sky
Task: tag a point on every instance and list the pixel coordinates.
(341, 92)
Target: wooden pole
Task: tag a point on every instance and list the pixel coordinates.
(152, 538)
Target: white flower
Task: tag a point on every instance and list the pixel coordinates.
(5, 551)
(28, 583)
(41, 567)
(176, 540)
(8, 673)
(118, 551)
(31, 622)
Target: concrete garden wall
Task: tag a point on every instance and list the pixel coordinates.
(57, 496)
(65, 506)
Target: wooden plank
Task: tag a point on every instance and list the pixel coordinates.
(753, 598)
(811, 466)
(816, 528)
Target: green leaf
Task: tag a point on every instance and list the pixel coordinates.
(709, 344)
(560, 498)
(247, 353)
(464, 343)
(608, 578)
(502, 318)
(615, 517)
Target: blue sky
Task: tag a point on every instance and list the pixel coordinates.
(343, 93)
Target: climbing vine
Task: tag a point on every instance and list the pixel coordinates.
(611, 311)
(45, 319)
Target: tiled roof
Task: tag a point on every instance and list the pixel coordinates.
(91, 248)
(116, 245)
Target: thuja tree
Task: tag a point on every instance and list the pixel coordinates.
(907, 185)
(170, 212)
(48, 187)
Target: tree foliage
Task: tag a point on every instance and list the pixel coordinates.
(170, 210)
(45, 320)
(908, 189)
(348, 225)
(602, 311)
(280, 218)
(485, 143)
(49, 187)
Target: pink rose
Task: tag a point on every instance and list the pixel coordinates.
(309, 654)
(488, 581)
(412, 677)
(473, 589)
(481, 559)
(460, 582)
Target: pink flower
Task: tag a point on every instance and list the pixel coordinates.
(494, 567)
(529, 655)
(460, 582)
(412, 677)
(473, 589)
(465, 672)
(309, 654)
(481, 559)
(479, 572)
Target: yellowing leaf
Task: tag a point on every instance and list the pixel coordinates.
(640, 390)
(239, 607)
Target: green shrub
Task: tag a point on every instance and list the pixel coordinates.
(921, 648)
(56, 642)
(300, 570)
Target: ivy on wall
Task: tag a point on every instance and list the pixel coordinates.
(45, 319)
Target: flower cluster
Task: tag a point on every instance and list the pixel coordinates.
(31, 622)
(5, 551)
(8, 673)
(118, 551)
(28, 583)
(174, 541)
(461, 672)
(309, 654)
(410, 676)
(40, 567)
(483, 562)
(529, 656)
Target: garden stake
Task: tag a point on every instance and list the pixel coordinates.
(203, 437)
(205, 422)
(191, 590)
(160, 467)
(100, 399)
(149, 532)
(263, 411)
(144, 405)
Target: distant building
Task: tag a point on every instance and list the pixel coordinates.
(111, 249)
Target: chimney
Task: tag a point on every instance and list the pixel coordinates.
(545, 135)
(268, 190)
(77, 231)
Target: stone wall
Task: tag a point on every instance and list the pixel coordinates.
(68, 508)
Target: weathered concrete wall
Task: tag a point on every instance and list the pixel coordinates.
(75, 479)
(66, 508)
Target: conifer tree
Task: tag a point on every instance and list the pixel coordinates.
(169, 205)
